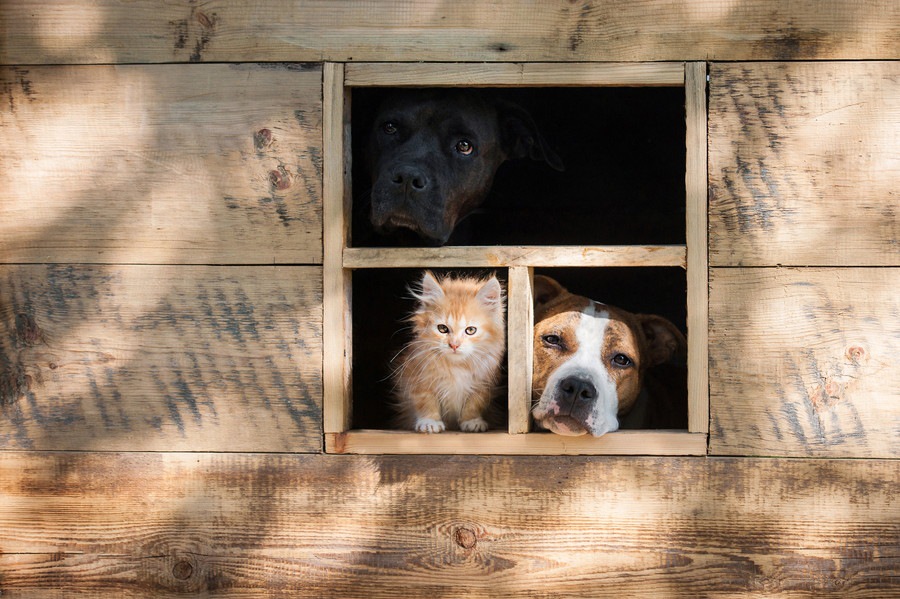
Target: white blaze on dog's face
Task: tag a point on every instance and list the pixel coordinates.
(589, 360)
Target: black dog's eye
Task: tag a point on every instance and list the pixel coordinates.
(552, 340)
(389, 127)
(465, 147)
(622, 360)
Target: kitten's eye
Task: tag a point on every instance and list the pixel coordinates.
(389, 127)
(465, 147)
(622, 361)
(442, 328)
(552, 340)
(470, 330)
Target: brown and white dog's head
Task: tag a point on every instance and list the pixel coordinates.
(590, 359)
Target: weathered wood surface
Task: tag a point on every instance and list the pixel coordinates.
(517, 442)
(804, 164)
(467, 30)
(150, 525)
(512, 74)
(500, 256)
(137, 358)
(696, 210)
(201, 164)
(805, 362)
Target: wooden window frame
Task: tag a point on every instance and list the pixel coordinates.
(340, 260)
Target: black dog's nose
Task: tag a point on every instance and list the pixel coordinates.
(576, 390)
(410, 179)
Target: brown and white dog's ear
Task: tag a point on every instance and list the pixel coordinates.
(545, 291)
(664, 340)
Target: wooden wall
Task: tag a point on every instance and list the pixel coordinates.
(161, 315)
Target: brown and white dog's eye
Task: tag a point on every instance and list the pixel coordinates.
(552, 340)
(389, 127)
(622, 361)
(465, 147)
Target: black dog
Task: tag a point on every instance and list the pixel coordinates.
(433, 154)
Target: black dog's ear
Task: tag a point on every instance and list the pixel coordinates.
(545, 291)
(521, 138)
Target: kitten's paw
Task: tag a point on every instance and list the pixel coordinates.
(429, 425)
(475, 425)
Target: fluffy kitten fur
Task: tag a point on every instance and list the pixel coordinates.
(446, 376)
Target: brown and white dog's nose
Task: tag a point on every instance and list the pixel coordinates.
(575, 391)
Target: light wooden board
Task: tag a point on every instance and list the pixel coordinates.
(696, 207)
(499, 256)
(517, 442)
(337, 297)
(804, 164)
(134, 358)
(151, 525)
(108, 31)
(805, 362)
(167, 164)
(516, 74)
(520, 347)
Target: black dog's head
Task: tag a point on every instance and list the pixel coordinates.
(433, 155)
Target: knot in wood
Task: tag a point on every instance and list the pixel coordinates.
(280, 179)
(182, 570)
(856, 353)
(262, 139)
(465, 538)
(27, 330)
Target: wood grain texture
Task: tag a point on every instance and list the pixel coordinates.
(467, 30)
(515, 74)
(137, 358)
(520, 347)
(337, 296)
(168, 164)
(515, 442)
(696, 209)
(804, 162)
(501, 256)
(151, 525)
(804, 362)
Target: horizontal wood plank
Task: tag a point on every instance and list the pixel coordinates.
(137, 358)
(107, 31)
(516, 74)
(151, 525)
(501, 256)
(805, 362)
(503, 443)
(167, 164)
(804, 161)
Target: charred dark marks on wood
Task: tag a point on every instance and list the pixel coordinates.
(198, 26)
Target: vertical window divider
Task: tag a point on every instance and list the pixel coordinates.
(520, 347)
(336, 288)
(697, 247)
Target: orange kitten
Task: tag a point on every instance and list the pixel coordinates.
(446, 376)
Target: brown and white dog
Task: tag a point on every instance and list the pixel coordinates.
(590, 363)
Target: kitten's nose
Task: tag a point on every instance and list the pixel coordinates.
(454, 345)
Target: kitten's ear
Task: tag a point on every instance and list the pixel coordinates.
(491, 294)
(545, 290)
(430, 289)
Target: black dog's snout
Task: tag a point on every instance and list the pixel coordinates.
(411, 180)
(575, 391)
